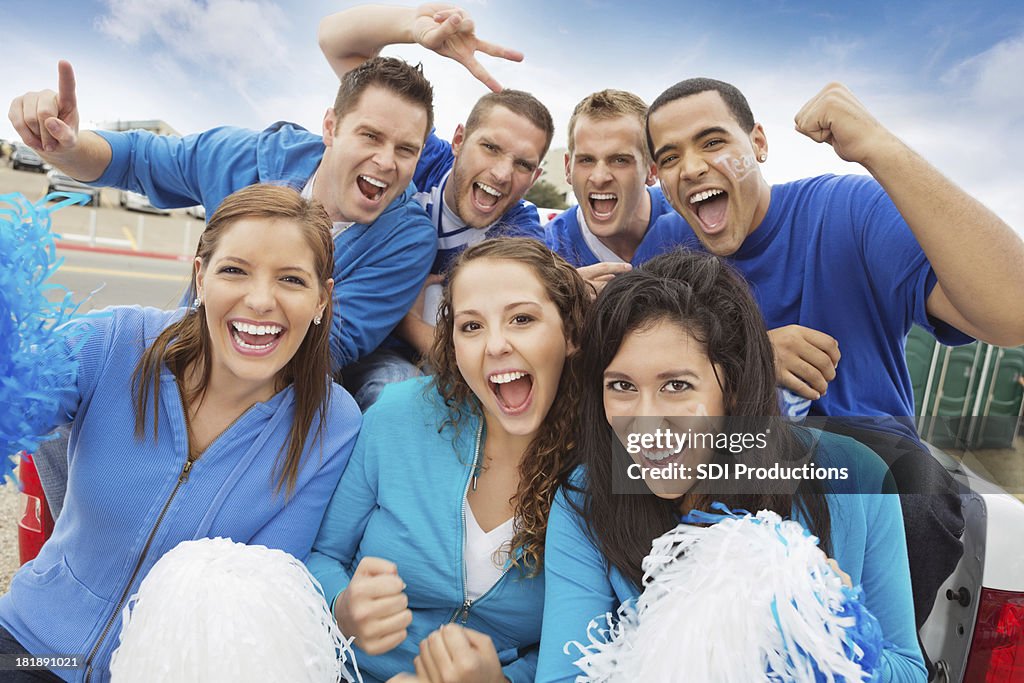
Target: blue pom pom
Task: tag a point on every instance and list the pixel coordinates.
(30, 312)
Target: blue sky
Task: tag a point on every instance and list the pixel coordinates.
(944, 76)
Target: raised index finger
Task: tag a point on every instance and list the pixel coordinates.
(66, 98)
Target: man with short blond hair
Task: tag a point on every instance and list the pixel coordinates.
(620, 217)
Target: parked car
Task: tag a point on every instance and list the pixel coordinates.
(60, 182)
(133, 201)
(25, 157)
(975, 633)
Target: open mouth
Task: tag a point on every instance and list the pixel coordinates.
(513, 390)
(372, 188)
(255, 339)
(710, 207)
(603, 204)
(485, 197)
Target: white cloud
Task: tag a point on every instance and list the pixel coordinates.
(239, 40)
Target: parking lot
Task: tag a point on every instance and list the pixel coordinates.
(108, 225)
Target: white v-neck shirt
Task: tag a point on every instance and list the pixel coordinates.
(481, 551)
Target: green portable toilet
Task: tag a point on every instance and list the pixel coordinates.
(921, 355)
(1001, 411)
(959, 371)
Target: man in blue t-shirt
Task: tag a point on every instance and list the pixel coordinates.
(620, 217)
(847, 263)
(473, 187)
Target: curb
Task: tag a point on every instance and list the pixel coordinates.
(71, 246)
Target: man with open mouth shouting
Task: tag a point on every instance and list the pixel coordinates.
(621, 218)
(848, 263)
(359, 171)
(473, 187)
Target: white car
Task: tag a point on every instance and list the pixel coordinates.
(975, 632)
(60, 182)
(133, 201)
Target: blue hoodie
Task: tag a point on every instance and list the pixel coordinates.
(131, 500)
(378, 268)
(402, 498)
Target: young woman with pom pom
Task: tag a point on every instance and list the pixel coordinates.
(194, 423)
(681, 338)
(440, 518)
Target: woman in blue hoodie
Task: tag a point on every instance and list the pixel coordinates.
(194, 423)
(431, 551)
(678, 343)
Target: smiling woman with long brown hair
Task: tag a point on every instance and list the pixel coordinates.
(195, 423)
(441, 516)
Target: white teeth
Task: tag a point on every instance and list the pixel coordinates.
(706, 194)
(256, 329)
(373, 181)
(658, 455)
(596, 195)
(489, 190)
(506, 377)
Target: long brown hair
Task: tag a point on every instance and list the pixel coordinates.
(186, 343)
(548, 455)
(705, 297)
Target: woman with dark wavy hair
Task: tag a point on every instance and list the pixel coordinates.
(681, 338)
(441, 516)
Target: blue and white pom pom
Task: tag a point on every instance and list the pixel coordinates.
(28, 320)
(749, 598)
(213, 610)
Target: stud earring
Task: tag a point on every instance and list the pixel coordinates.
(317, 319)
(197, 303)
(763, 157)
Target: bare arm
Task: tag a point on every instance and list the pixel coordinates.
(47, 121)
(977, 258)
(350, 37)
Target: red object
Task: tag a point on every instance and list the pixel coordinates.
(36, 525)
(997, 650)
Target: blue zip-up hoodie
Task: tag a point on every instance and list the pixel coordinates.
(378, 268)
(868, 543)
(69, 599)
(402, 498)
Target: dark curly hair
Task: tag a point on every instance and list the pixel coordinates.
(547, 458)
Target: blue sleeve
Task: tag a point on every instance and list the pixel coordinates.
(893, 259)
(332, 560)
(887, 593)
(522, 220)
(436, 159)
(524, 669)
(294, 527)
(176, 172)
(576, 591)
(375, 288)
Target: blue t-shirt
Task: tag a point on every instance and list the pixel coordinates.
(666, 230)
(834, 254)
(453, 235)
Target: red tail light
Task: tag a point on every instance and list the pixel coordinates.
(36, 524)
(997, 650)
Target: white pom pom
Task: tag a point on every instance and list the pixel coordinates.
(744, 600)
(214, 610)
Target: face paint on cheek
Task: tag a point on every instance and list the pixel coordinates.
(737, 168)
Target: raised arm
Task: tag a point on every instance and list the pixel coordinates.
(977, 257)
(350, 37)
(47, 121)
